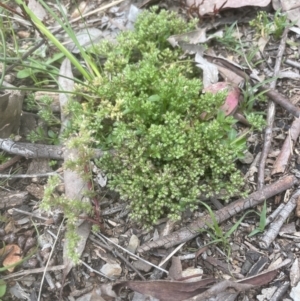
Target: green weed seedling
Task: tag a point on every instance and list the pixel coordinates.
(216, 232)
(229, 39)
(262, 221)
(2, 288)
(3, 158)
(51, 38)
(40, 135)
(37, 67)
(265, 26)
(46, 114)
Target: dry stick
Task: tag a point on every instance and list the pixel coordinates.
(158, 274)
(31, 150)
(273, 215)
(193, 229)
(278, 295)
(292, 63)
(111, 249)
(101, 236)
(276, 225)
(36, 175)
(33, 271)
(46, 274)
(271, 115)
(95, 271)
(49, 258)
(281, 100)
(30, 214)
(9, 163)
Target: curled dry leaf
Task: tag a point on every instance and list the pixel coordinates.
(12, 255)
(165, 290)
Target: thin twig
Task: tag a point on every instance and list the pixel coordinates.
(110, 249)
(50, 256)
(30, 214)
(95, 271)
(271, 115)
(33, 271)
(36, 175)
(171, 254)
(131, 254)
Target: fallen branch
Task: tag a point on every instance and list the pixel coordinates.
(192, 230)
(276, 225)
(31, 150)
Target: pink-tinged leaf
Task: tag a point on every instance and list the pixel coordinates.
(232, 99)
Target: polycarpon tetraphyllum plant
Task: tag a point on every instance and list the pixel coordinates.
(147, 107)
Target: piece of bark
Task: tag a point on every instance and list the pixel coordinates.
(192, 230)
(10, 112)
(287, 148)
(12, 198)
(281, 290)
(75, 185)
(30, 150)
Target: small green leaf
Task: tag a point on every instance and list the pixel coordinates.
(51, 134)
(263, 216)
(254, 232)
(154, 98)
(2, 288)
(25, 73)
(54, 58)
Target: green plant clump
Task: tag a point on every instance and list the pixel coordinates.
(147, 107)
(265, 26)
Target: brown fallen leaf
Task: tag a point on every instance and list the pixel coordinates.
(12, 254)
(166, 290)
